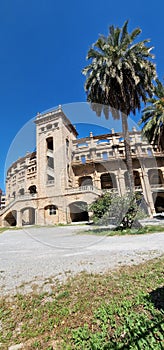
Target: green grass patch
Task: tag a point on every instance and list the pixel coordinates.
(13, 228)
(123, 309)
(116, 232)
(2, 229)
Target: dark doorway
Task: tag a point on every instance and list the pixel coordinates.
(11, 218)
(78, 211)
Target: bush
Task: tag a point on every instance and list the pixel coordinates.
(101, 206)
(123, 212)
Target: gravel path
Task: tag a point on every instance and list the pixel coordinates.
(35, 258)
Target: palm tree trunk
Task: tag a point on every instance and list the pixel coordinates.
(128, 156)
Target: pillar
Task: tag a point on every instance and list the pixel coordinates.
(19, 219)
(147, 191)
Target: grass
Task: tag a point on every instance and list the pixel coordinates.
(2, 229)
(123, 309)
(109, 232)
(15, 228)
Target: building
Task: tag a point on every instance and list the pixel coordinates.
(65, 174)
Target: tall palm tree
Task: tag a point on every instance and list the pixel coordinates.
(153, 117)
(119, 77)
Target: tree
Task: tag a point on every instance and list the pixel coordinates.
(153, 117)
(123, 212)
(101, 206)
(119, 77)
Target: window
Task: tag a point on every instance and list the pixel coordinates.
(105, 155)
(32, 189)
(83, 159)
(49, 126)
(52, 210)
(149, 152)
(50, 162)
(21, 191)
(50, 143)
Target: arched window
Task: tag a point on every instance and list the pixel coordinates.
(52, 209)
(108, 181)
(85, 181)
(32, 189)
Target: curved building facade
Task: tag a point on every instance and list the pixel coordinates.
(56, 183)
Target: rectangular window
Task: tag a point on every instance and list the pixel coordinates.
(83, 159)
(105, 155)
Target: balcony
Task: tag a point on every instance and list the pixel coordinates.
(157, 187)
(82, 189)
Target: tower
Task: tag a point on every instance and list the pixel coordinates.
(54, 135)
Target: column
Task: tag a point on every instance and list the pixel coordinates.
(147, 191)
(19, 219)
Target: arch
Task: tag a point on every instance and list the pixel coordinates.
(28, 216)
(155, 177)
(11, 218)
(108, 181)
(32, 189)
(85, 181)
(78, 211)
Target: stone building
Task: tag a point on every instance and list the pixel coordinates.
(56, 183)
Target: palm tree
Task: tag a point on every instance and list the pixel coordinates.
(153, 117)
(119, 77)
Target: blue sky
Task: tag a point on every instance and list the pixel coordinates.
(43, 48)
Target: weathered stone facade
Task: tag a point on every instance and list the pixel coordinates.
(65, 174)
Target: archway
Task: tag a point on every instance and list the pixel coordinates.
(11, 218)
(108, 181)
(78, 211)
(85, 181)
(155, 177)
(28, 216)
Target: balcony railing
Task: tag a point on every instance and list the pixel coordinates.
(157, 186)
(87, 188)
(23, 197)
